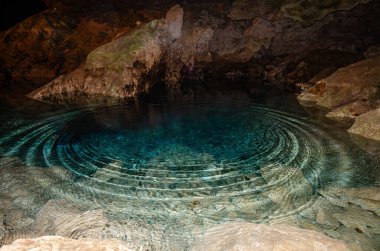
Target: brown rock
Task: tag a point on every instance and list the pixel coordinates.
(354, 82)
(249, 236)
(124, 68)
(349, 92)
(367, 125)
(356, 218)
(174, 21)
(51, 243)
(366, 197)
(326, 219)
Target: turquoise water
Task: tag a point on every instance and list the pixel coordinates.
(168, 170)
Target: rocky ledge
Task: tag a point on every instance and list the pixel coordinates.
(351, 92)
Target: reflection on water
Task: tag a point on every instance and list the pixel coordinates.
(158, 174)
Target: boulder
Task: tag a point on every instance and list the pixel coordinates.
(126, 67)
(249, 236)
(50, 243)
(367, 125)
(348, 92)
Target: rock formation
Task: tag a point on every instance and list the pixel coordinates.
(125, 67)
(246, 43)
(62, 243)
(249, 236)
(57, 41)
(367, 125)
(350, 92)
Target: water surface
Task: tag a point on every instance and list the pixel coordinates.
(161, 172)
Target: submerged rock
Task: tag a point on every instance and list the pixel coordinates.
(367, 125)
(59, 217)
(367, 197)
(249, 236)
(61, 243)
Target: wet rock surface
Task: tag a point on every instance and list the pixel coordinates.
(367, 125)
(250, 236)
(61, 243)
(348, 214)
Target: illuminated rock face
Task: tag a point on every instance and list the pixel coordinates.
(123, 68)
(249, 236)
(368, 125)
(351, 92)
(249, 42)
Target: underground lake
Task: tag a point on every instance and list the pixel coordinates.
(158, 173)
(173, 125)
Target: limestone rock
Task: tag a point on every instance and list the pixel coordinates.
(249, 236)
(350, 91)
(324, 218)
(174, 21)
(29, 186)
(50, 43)
(289, 188)
(367, 125)
(358, 219)
(47, 243)
(309, 12)
(59, 217)
(239, 44)
(298, 10)
(124, 68)
(366, 197)
(114, 69)
(36, 38)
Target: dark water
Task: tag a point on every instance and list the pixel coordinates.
(171, 169)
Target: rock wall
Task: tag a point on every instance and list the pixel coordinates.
(246, 43)
(58, 40)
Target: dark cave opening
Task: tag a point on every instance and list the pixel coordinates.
(14, 11)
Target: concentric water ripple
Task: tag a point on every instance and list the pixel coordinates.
(191, 150)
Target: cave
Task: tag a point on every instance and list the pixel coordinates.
(190, 125)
